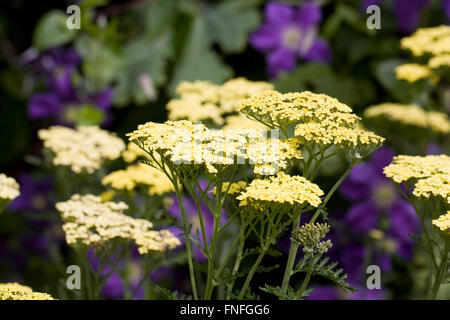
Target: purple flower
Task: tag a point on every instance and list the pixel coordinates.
(289, 33)
(407, 12)
(374, 196)
(34, 194)
(446, 7)
(58, 66)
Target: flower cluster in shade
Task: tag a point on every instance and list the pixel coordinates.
(85, 148)
(15, 291)
(90, 221)
(64, 98)
(407, 12)
(410, 115)
(431, 47)
(429, 176)
(134, 176)
(183, 142)
(289, 33)
(281, 189)
(322, 120)
(203, 100)
(9, 188)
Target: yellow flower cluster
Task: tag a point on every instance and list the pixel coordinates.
(439, 61)
(433, 41)
(202, 100)
(282, 189)
(412, 115)
(9, 188)
(85, 148)
(139, 174)
(327, 133)
(431, 174)
(413, 72)
(437, 185)
(276, 110)
(443, 222)
(241, 122)
(234, 188)
(186, 143)
(133, 153)
(90, 221)
(15, 291)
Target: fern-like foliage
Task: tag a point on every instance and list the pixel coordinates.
(290, 293)
(166, 294)
(322, 267)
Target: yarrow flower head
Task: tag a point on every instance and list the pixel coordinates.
(9, 190)
(413, 72)
(277, 110)
(140, 174)
(15, 291)
(433, 41)
(310, 235)
(289, 33)
(443, 223)
(411, 115)
(430, 175)
(404, 168)
(186, 143)
(281, 189)
(85, 148)
(89, 221)
(202, 100)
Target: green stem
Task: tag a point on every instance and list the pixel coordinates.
(238, 260)
(291, 258)
(251, 273)
(441, 272)
(188, 241)
(305, 282)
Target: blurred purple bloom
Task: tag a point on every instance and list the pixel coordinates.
(446, 7)
(289, 33)
(407, 12)
(34, 193)
(373, 195)
(61, 102)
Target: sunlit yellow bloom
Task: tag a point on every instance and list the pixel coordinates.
(202, 100)
(139, 174)
(412, 115)
(443, 222)
(282, 189)
(85, 148)
(326, 133)
(15, 291)
(186, 143)
(277, 110)
(434, 41)
(241, 122)
(405, 167)
(413, 72)
(439, 61)
(9, 188)
(233, 189)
